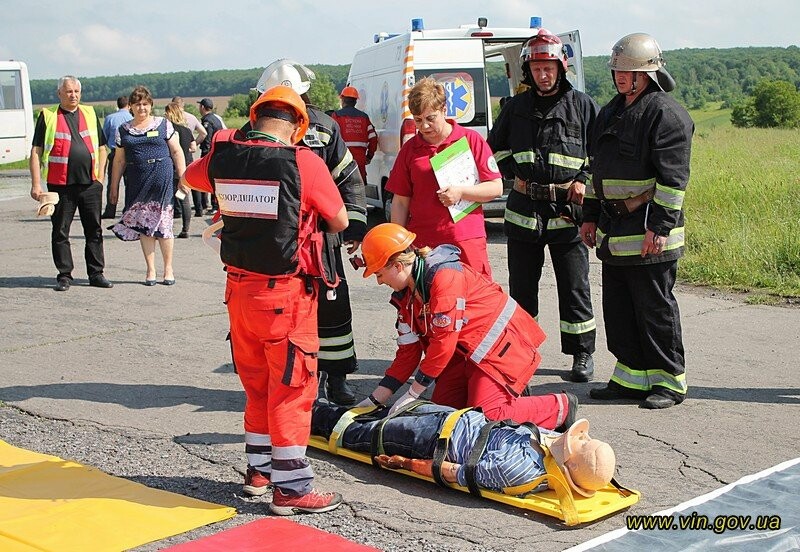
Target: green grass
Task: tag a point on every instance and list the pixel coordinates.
(743, 208)
(18, 165)
(235, 122)
(713, 117)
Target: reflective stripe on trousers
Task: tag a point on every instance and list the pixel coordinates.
(337, 353)
(274, 343)
(645, 380)
(643, 327)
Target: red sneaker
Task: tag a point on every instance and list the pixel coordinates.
(312, 503)
(255, 482)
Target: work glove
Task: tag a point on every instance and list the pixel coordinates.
(407, 398)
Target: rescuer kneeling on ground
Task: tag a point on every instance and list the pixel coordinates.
(479, 347)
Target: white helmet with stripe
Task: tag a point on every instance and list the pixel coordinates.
(287, 72)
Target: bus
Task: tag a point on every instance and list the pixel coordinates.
(16, 112)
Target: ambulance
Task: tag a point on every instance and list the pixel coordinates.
(16, 112)
(384, 72)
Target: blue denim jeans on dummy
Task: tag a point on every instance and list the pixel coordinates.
(410, 434)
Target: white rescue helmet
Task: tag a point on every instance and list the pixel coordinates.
(286, 72)
(641, 52)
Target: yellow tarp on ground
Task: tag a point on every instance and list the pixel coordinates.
(47, 503)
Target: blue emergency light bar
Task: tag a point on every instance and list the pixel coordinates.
(417, 24)
(536, 22)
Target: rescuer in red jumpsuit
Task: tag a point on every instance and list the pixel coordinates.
(272, 195)
(357, 130)
(448, 311)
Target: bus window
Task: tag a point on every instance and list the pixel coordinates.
(11, 88)
(16, 112)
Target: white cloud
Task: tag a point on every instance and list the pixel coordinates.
(197, 46)
(98, 49)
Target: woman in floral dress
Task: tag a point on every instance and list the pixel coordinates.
(147, 153)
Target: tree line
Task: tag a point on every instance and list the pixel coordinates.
(703, 75)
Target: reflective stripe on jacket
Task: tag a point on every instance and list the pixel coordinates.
(644, 147)
(468, 315)
(536, 144)
(544, 147)
(58, 140)
(357, 130)
(324, 139)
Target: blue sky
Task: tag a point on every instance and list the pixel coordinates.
(93, 38)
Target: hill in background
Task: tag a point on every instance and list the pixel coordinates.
(702, 76)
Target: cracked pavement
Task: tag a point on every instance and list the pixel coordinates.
(137, 382)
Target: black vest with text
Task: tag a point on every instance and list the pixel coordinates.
(246, 175)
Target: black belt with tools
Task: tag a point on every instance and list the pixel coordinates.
(542, 192)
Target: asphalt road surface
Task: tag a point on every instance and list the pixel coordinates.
(137, 381)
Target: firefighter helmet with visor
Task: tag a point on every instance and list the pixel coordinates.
(636, 52)
(544, 46)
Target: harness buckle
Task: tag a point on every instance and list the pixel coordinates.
(617, 208)
(542, 192)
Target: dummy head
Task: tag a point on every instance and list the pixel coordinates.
(588, 464)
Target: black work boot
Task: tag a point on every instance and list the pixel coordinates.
(582, 369)
(657, 401)
(63, 283)
(338, 391)
(615, 392)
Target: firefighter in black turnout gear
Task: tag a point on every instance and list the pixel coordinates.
(337, 355)
(641, 147)
(541, 140)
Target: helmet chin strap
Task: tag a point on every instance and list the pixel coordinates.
(632, 91)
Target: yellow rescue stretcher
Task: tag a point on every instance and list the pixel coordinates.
(558, 501)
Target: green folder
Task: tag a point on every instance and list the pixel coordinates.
(455, 166)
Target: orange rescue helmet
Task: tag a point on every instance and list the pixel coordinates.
(381, 243)
(283, 95)
(349, 92)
